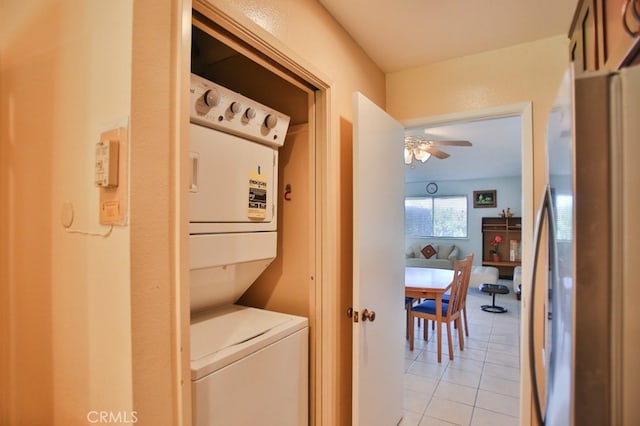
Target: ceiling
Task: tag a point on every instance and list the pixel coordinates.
(399, 34)
(480, 161)
(435, 30)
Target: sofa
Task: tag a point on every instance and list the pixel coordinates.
(431, 255)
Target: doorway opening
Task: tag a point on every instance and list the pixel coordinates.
(521, 112)
(445, 177)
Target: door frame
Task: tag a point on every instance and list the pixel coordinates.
(525, 111)
(323, 300)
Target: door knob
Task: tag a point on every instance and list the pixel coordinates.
(368, 315)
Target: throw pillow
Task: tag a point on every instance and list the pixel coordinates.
(408, 253)
(445, 251)
(428, 251)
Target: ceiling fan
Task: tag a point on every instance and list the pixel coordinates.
(422, 149)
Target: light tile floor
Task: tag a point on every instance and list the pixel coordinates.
(481, 386)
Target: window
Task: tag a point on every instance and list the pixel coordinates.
(564, 219)
(436, 216)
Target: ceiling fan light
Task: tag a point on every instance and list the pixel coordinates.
(421, 155)
(408, 156)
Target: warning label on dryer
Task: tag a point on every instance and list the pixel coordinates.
(257, 197)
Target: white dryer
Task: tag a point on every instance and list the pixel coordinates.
(248, 366)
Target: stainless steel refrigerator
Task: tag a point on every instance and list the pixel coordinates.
(584, 325)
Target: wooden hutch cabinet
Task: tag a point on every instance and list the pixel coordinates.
(509, 250)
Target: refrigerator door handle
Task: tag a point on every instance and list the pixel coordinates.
(545, 207)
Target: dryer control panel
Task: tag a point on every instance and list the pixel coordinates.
(219, 108)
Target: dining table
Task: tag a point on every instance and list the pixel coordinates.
(428, 283)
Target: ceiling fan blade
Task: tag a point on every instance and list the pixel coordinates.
(449, 143)
(436, 152)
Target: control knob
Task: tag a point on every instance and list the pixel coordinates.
(250, 113)
(235, 107)
(270, 121)
(211, 98)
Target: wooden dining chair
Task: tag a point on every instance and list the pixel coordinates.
(450, 313)
(465, 289)
(466, 277)
(408, 303)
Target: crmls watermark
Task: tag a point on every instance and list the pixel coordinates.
(112, 417)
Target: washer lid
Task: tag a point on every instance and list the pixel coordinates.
(230, 326)
(230, 333)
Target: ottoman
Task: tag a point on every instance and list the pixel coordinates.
(493, 289)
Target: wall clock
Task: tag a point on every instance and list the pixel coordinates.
(432, 188)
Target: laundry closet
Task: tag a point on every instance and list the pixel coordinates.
(252, 273)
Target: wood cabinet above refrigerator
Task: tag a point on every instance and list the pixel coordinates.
(605, 35)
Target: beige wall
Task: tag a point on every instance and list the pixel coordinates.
(159, 261)
(65, 73)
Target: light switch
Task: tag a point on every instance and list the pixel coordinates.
(106, 163)
(111, 176)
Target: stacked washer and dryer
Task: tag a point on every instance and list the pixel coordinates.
(248, 366)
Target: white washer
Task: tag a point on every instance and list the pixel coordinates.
(248, 366)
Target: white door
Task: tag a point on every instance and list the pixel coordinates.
(378, 265)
